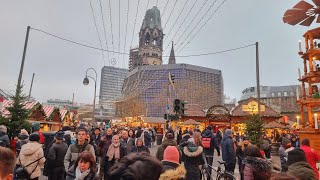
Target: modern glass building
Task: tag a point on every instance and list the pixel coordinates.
(110, 88)
(147, 87)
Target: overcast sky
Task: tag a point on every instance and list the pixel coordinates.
(60, 66)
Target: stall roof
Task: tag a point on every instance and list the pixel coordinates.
(154, 120)
(274, 124)
(195, 110)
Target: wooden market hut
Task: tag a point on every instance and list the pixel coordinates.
(219, 117)
(248, 107)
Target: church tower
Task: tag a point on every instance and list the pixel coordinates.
(172, 58)
(151, 38)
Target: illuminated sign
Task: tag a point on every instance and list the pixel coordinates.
(253, 107)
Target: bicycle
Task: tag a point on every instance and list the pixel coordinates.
(221, 175)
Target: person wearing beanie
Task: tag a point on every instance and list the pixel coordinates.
(23, 138)
(140, 147)
(185, 137)
(283, 155)
(169, 141)
(55, 166)
(312, 156)
(30, 152)
(298, 165)
(170, 164)
(228, 151)
(36, 129)
(67, 135)
(4, 138)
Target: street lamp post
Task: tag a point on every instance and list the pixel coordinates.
(86, 82)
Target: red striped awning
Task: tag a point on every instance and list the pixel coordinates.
(48, 110)
(63, 113)
(7, 103)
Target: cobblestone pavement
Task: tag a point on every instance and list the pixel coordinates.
(153, 152)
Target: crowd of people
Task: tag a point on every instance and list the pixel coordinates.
(116, 153)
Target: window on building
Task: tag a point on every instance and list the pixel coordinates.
(273, 94)
(291, 93)
(285, 93)
(279, 94)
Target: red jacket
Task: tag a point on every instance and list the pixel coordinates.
(42, 138)
(312, 157)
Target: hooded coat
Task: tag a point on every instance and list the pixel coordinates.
(302, 170)
(228, 151)
(256, 168)
(143, 148)
(31, 152)
(193, 158)
(178, 173)
(164, 145)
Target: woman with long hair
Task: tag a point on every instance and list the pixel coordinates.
(197, 139)
(132, 135)
(241, 153)
(84, 168)
(115, 152)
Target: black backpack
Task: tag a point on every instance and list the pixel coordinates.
(21, 171)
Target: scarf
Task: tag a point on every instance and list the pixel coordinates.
(114, 150)
(81, 175)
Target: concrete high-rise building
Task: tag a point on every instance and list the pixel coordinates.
(110, 88)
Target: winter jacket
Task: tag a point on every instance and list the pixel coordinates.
(168, 165)
(143, 148)
(108, 164)
(147, 138)
(266, 144)
(22, 140)
(127, 144)
(73, 152)
(139, 132)
(105, 142)
(228, 152)
(4, 139)
(302, 170)
(193, 158)
(312, 157)
(283, 159)
(213, 144)
(71, 175)
(96, 139)
(56, 155)
(241, 155)
(178, 173)
(31, 152)
(256, 168)
(164, 145)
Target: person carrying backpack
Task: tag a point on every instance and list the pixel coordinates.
(209, 143)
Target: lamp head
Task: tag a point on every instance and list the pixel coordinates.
(85, 81)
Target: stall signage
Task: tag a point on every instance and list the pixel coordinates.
(252, 107)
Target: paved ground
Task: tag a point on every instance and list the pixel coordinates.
(153, 152)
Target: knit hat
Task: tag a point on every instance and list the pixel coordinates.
(171, 154)
(35, 126)
(24, 132)
(185, 134)
(59, 135)
(228, 132)
(296, 155)
(34, 137)
(3, 129)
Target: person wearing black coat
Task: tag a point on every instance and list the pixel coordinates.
(241, 154)
(147, 138)
(209, 152)
(55, 166)
(193, 158)
(228, 153)
(140, 147)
